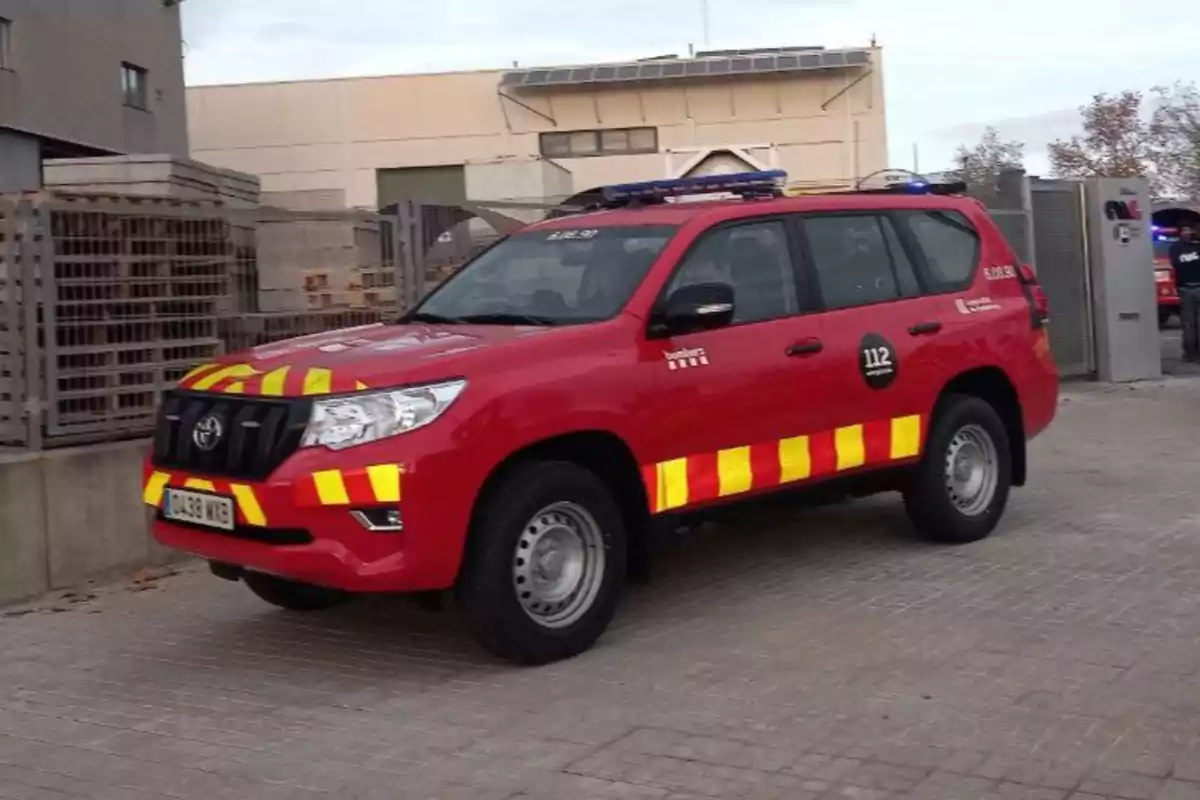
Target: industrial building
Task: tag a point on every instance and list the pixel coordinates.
(86, 79)
(547, 133)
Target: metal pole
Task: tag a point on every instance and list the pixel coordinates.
(916, 159)
(704, 12)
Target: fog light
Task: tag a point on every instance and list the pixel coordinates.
(379, 520)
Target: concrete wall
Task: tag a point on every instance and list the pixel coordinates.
(70, 515)
(335, 134)
(64, 82)
(20, 162)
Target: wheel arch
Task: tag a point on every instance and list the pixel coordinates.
(602, 452)
(992, 385)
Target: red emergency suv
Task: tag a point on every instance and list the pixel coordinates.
(594, 379)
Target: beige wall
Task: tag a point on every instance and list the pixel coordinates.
(64, 81)
(336, 133)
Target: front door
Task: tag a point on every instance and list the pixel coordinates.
(729, 399)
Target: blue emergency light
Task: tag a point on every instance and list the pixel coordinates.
(747, 184)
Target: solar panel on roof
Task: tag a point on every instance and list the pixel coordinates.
(753, 63)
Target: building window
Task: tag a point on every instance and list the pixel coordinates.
(6, 59)
(615, 141)
(134, 80)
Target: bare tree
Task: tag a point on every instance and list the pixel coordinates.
(981, 165)
(1175, 134)
(1116, 142)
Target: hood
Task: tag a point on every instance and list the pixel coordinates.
(353, 359)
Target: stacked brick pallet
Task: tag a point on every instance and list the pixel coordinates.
(319, 261)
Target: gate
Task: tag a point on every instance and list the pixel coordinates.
(1061, 256)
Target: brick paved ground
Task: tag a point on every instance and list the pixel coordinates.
(792, 655)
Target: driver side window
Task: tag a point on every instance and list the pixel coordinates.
(754, 259)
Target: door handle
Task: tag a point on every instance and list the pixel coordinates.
(806, 347)
(922, 328)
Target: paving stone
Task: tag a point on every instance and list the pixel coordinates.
(783, 653)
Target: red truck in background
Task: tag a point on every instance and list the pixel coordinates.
(1164, 276)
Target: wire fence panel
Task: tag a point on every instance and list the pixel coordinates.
(13, 425)
(132, 291)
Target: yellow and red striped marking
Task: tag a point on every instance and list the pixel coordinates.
(710, 476)
(245, 497)
(246, 379)
(378, 484)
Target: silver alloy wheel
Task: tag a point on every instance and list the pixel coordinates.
(972, 470)
(559, 563)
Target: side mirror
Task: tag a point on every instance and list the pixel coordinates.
(699, 307)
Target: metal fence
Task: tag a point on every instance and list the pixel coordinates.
(106, 301)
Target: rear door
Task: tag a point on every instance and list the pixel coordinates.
(880, 334)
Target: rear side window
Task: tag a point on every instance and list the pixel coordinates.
(949, 246)
(858, 260)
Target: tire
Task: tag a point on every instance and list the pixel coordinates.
(567, 520)
(961, 509)
(1164, 317)
(293, 595)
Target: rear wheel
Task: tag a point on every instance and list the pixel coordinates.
(546, 561)
(293, 595)
(961, 486)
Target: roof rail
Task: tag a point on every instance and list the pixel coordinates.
(747, 184)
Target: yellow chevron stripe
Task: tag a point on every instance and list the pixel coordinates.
(155, 485)
(248, 503)
(850, 447)
(213, 378)
(385, 482)
(272, 382)
(331, 488)
(906, 436)
(318, 381)
(199, 485)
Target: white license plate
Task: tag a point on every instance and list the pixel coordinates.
(198, 508)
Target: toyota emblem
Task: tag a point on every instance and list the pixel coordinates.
(207, 432)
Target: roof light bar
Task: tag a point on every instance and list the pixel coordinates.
(769, 183)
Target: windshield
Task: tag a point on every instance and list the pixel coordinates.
(549, 277)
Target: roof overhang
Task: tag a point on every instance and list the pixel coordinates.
(679, 70)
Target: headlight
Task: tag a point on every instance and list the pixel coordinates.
(341, 422)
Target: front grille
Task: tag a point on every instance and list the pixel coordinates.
(258, 434)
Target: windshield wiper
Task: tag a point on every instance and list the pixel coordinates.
(435, 319)
(507, 319)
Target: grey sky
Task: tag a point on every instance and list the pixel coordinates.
(951, 67)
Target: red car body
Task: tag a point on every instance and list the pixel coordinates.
(733, 417)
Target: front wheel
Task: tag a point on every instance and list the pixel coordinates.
(961, 486)
(293, 595)
(545, 564)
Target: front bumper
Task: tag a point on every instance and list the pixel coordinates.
(298, 524)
